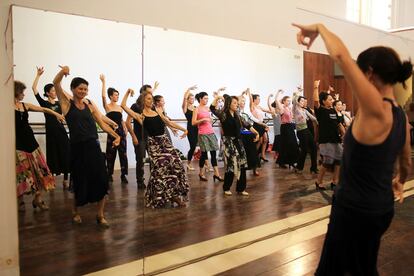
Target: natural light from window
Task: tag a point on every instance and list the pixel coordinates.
(374, 13)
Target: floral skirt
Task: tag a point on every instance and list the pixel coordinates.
(32, 172)
(234, 155)
(208, 142)
(168, 179)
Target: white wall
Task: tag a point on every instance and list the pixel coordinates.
(176, 59)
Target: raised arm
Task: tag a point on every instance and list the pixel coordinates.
(315, 95)
(369, 100)
(63, 99)
(105, 105)
(249, 94)
(40, 100)
(269, 104)
(279, 105)
(184, 105)
(129, 111)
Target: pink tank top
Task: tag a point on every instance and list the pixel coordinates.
(204, 127)
(286, 117)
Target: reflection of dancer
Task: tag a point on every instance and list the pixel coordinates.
(32, 172)
(258, 113)
(139, 137)
(207, 140)
(57, 141)
(234, 153)
(168, 181)
(363, 206)
(306, 140)
(289, 149)
(248, 138)
(114, 112)
(88, 172)
(188, 108)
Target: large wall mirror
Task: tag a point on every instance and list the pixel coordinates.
(142, 239)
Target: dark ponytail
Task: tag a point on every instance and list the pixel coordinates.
(386, 64)
(200, 95)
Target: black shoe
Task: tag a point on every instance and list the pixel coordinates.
(215, 177)
(263, 159)
(202, 178)
(124, 180)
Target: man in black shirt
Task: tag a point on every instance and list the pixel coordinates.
(139, 136)
(330, 132)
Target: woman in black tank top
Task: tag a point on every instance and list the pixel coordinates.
(114, 112)
(363, 205)
(88, 172)
(168, 181)
(188, 108)
(32, 172)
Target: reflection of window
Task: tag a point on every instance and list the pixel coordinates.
(375, 13)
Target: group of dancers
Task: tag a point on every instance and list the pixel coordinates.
(363, 169)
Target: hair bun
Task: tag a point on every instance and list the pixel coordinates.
(406, 71)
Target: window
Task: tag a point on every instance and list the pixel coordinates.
(374, 13)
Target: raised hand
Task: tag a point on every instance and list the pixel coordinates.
(221, 89)
(307, 34)
(194, 87)
(65, 70)
(316, 83)
(156, 84)
(102, 77)
(40, 70)
(130, 91)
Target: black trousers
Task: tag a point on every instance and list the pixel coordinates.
(122, 153)
(139, 158)
(192, 139)
(241, 182)
(204, 157)
(306, 144)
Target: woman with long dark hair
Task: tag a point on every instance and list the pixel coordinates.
(57, 140)
(168, 181)
(207, 140)
(114, 112)
(234, 153)
(32, 173)
(88, 171)
(363, 205)
(188, 109)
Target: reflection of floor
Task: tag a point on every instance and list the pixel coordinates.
(50, 244)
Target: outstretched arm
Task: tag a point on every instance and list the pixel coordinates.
(105, 127)
(184, 105)
(369, 100)
(36, 108)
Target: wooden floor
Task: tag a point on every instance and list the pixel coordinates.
(51, 245)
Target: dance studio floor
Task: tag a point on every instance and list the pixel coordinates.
(277, 230)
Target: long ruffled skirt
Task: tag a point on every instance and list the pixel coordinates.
(32, 173)
(168, 179)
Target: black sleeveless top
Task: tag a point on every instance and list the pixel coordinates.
(115, 116)
(366, 170)
(154, 126)
(81, 124)
(189, 116)
(51, 120)
(25, 140)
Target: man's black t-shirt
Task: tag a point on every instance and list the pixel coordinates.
(328, 125)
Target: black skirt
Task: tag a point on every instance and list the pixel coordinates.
(57, 150)
(352, 242)
(259, 128)
(276, 144)
(250, 149)
(289, 148)
(88, 172)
